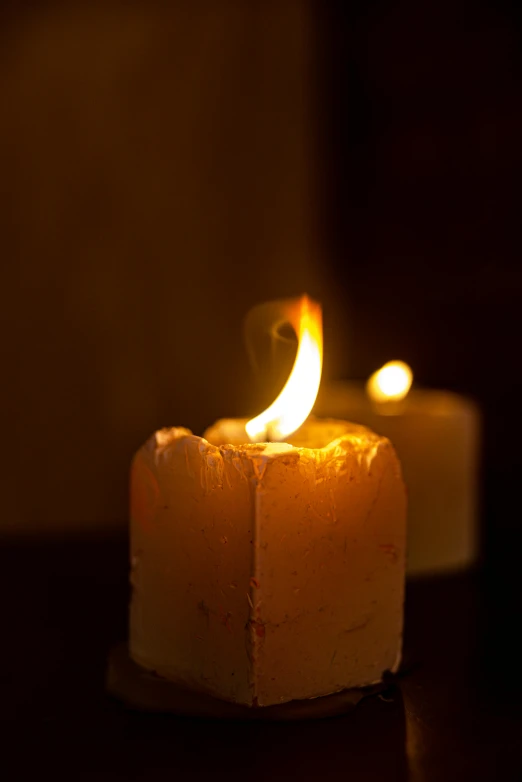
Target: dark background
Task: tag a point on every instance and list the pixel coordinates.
(424, 215)
(165, 166)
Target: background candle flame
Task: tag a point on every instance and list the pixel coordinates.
(390, 383)
(294, 403)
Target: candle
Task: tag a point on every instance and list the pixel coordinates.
(436, 434)
(268, 572)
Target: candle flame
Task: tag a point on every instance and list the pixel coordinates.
(294, 403)
(390, 383)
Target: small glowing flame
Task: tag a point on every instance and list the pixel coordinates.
(390, 383)
(294, 403)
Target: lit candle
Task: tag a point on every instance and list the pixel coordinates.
(436, 434)
(269, 572)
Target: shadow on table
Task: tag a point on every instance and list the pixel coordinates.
(368, 743)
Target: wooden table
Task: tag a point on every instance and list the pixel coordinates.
(455, 716)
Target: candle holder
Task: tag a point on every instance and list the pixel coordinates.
(142, 690)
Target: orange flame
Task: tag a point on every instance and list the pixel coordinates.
(390, 383)
(294, 403)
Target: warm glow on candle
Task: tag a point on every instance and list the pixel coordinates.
(390, 383)
(294, 403)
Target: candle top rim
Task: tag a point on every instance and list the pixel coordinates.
(329, 434)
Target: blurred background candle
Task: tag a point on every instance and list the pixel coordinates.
(436, 434)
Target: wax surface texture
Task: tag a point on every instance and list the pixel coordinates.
(266, 574)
